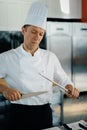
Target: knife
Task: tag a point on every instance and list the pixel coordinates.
(55, 83)
(27, 95)
(67, 127)
(83, 126)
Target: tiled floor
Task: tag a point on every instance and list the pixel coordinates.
(75, 109)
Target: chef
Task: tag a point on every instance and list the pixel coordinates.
(20, 70)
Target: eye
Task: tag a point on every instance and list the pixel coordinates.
(41, 34)
(34, 32)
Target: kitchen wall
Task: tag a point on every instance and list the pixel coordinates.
(13, 12)
(66, 9)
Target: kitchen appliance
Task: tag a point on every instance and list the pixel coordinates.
(59, 41)
(80, 56)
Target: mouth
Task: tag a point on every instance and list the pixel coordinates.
(35, 42)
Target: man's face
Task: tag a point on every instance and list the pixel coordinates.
(32, 36)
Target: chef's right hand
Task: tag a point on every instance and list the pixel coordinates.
(11, 94)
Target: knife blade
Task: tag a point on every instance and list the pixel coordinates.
(60, 86)
(32, 94)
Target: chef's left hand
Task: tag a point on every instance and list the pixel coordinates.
(74, 92)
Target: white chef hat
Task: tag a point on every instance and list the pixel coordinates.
(37, 15)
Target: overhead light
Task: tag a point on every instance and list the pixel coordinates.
(65, 6)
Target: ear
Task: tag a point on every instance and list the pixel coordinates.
(23, 30)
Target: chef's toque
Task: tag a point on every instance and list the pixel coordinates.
(37, 15)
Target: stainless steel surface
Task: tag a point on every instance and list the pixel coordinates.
(27, 95)
(75, 109)
(59, 41)
(80, 56)
(69, 42)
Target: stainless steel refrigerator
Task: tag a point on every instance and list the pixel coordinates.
(79, 39)
(68, 41)
(59, 41)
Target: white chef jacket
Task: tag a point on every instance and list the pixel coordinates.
(21, 70)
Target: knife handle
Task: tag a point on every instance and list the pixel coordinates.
(69, 91)
(83, 126)
(67, 127)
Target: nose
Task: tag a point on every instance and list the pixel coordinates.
(36, 36)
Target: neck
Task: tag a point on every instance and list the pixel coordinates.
(30, 50)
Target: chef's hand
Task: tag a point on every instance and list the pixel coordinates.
(11, 94)
(74, 92)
